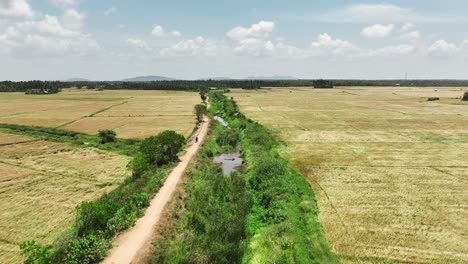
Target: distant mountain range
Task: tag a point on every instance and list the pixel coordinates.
(149, 78)
(155, 78)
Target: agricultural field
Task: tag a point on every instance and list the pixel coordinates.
(41, 183)
(389, 168)
(132, 114)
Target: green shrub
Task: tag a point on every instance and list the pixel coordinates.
(88, 249)
(92, 216)
(34, 253)
(107, 136)
(229, 137)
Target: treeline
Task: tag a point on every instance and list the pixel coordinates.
(97, 222)
(181, 85)
(266, 213)
(32, 87)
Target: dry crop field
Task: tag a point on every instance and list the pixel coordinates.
(41, 183)
(389, 168)
(132, 114)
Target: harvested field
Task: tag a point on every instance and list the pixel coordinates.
(132, 114)
(42, 182)
(389, 168)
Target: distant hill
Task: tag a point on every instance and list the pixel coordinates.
(77, 80)
(216, 79)
(149, 78)
(274, 77)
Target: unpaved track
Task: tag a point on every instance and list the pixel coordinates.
(138, 238)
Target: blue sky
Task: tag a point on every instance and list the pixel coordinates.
(104, 40)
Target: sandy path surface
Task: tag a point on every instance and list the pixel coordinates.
(137, 239)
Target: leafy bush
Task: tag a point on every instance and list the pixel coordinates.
(34, 253)
(228, 137)
(88, 249)
(163, 148)
(107, 136)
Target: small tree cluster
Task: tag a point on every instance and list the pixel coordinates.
(200, 110)
(107, 136)
(465, 97)
(163, 148)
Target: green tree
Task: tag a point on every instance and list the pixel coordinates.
(200, 110)
(107, 136)
(163, 148)
(203, 92)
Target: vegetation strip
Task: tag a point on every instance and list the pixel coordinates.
(266, 213)
(127, 147)
(97, 222)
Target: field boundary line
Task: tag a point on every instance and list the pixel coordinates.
(91, 115)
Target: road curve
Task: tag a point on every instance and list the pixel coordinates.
(137, 239)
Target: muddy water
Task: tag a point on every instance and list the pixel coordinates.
(221, 121)
(229, 162)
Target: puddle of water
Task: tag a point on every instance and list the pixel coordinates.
(221, 121)
(229, 162)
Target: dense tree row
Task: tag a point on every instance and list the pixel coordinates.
(55, 86)
(32, 87)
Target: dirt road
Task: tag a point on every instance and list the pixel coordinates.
(129, 244)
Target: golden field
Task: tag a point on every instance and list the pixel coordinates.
(42, 182)
(132, 114)
(389, 168)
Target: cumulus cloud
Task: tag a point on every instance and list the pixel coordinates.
(159, 31)
(326, 45)
(384, 13)
(137, 43)
(259, 30)
(36, 35)
(15, 9)
(378, 31)
(73, 19)
(254, 47)
(442, 48)
(192, 47)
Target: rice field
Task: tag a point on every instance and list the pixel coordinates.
(389, 168)
(132, 114)
(42, 182)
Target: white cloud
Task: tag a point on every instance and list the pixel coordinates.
(384, 13)
(442, 48)
(259, 30)
(73, 19)
(326, 45)
(378, 31)
(138, 43)
(110, 11)
(176, 33)
(15, 9)
(158, 31)
(393, 50)
(192, 47)
(254, 47)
